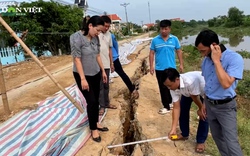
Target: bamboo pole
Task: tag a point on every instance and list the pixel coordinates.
(3, 91)
(40, 64)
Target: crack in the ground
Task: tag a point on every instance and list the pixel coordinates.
(131, 127)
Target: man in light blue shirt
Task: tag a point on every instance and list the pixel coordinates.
(162, 49)
(221, 68)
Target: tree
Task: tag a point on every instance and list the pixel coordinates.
(177, 28)
(211, 22)
(246, 21)
(235, 17)
(50, 29)
(191, 23)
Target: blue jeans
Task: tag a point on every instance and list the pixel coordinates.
(202, 130)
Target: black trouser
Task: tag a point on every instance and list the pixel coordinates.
(104, 91)
(166, 98)
(91, 97)
(119, 70)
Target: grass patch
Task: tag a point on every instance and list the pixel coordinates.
(244, 131)
(154, 34)
(224, 42)
(243, 88)
(192, 57)
(244, 54)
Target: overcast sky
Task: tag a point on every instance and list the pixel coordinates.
(163, 9)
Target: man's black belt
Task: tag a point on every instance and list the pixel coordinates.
(219, 102)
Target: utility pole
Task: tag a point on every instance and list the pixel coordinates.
(149, 16)
(125, 6)
(141, 23)
(82, 4)
(149, 13)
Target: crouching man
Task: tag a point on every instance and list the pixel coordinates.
(184, 89)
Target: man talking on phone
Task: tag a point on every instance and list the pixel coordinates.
(221, 68)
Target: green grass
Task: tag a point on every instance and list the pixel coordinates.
(244, 54)
(243, 87)
(154, 34)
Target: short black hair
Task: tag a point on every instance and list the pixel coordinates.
(207, 37)
(106, 19)
(171, 74)
(165, 23)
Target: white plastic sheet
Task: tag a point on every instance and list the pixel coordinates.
(127, 49)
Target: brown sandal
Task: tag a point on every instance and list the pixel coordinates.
(135, 94)
(101, 111)
(111, 106)
(200, 148)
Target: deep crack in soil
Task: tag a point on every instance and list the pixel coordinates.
(131, 129)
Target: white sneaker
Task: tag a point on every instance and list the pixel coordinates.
(110, 80)
(164, 111)
(111, 75)
(115, 74)
(171, 105)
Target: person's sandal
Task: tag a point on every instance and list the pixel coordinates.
(135, 94)
(200, 148)
(111, 106)
(101, 111)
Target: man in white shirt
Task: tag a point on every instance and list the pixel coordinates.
(185, 89)
(107, 60)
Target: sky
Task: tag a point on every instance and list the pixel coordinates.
(138, 10)
(164, 9)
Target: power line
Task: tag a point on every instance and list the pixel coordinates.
(94, 11)
(125, 6)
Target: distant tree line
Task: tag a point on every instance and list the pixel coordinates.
(234, 18)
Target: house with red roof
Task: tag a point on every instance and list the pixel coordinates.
(116, 22)
(177, 19)
(148, 26)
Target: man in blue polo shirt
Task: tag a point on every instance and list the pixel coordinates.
(221, 68)
(162, 49)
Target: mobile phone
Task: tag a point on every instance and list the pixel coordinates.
(222, 47)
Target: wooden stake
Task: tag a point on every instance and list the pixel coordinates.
(40, 64)
(3, 91)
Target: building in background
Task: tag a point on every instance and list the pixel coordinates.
(177, 19)
(116, 22)
(146, 27)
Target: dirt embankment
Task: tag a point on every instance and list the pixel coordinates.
(134, 120)
(137, 120)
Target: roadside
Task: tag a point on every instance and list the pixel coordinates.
(137, 120)
(27, 84)
(132, 121)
